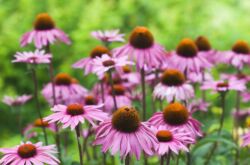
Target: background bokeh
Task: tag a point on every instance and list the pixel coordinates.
(222, 21)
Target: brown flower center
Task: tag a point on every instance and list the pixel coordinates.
(241, 47)
(108, 63)
(202, 43)
(90, 100)
(175, 114)
(40, 123)
(222, 85)
(187, 48)
(241, 76)
(126, 69)
(44, 22)
(75, 109)
(98, 51)
(172, 77)
(126, 119)
(27, 151)
(118, 90)
(63, 79)
(164, 136)
(141, 38)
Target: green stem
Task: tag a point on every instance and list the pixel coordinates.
(127, 160)
(78, 136)
(112, 88)
(143, 94)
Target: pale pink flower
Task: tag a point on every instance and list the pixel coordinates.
(198, 105)
(17, 101)
(245, 96)
(29, 153)
(44, 33)
(74, 114)
(124, 133)
(239, 76)
(108, 36)
(199, 77)
(37, 57)
(246, 139)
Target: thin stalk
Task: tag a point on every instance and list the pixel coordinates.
(104, 159)
(177, 159)
(203, 92)
(127, 160)
(162, 158)
(78, 136)
(19, 119)
(102, 94)
(112, 88)
(189, 158)
(143, 94)
(168, 158)
(237, 107)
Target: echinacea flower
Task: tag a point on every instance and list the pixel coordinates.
(187, 58)
(74, 114)
(176, 115)
(126, 134)
(246, 139)
(37, 57)
(67, 90)
(108, 36)
(17, 101)
(142, 49)
(223, 86)
(238, 76)
(87, 63)
(245, 96)
(44, 33)
(173, 86)
(198, 105)
(105, 62)
(195, 77)
(129, 79)
(90, 100)
(171, 140)
(29, 153)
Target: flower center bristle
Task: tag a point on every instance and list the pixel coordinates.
(118, 90)
(241, 76)
(141, 38)
(90, 100)
(75, 109)
(40, 123)
(172, 77)
(126, 69)
(98, 51)
(175, 114)
(27, 151)
(63, 79)
(202, 43)
(187, 48)
(222, 85)
(241, 47)
(44, 22)
(126, 119)
(164, 136)
(108, 63)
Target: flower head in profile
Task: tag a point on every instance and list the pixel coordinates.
(74, 114)
(171, 140)
(176, 115)
(44, 33)
(67, 90)
(105, 62)
(29, 153)
(126, 134)
(224, 86)
(37, 57)
(142, 48)
(187, 58)
(108, 36)
(246, 139)
(173, 86)
(17, 101)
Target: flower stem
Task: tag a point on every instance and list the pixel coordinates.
(143, 94)
(78, 136)
(162, 160)
(112, 88)
(203, 92)
(102, 94)
(236, 127)
(34, 77)
(168, 158)
(127, 160)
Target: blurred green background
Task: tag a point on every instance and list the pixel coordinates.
(222, 21)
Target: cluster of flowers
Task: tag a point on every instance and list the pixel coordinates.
(108, 106)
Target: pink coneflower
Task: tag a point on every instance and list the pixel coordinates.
(175, 115)
(198, 105)
(122, 98)
(187, 58)
(173, 86)
(129, 79)
(90, 100)
(28, 153)
(142, 48)
(223, 86)
(238, 76)
(245, 96)
(37, 57)
(199, 77)
(74, 114)
(246, 139)
(17, 101)
(171, 140)
(44, 33)
(126, 134)
(105, 63)
(108, 36)
(67, 90)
